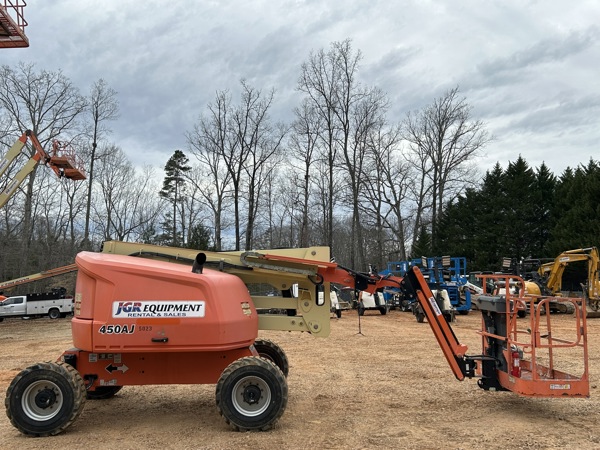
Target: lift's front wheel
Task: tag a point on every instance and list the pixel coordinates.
(45, 399)
(251, 394)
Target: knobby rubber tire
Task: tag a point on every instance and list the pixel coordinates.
(270, 350)
(45, 399)
(251, 394)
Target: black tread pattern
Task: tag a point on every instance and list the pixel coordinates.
(71, 376)
(273, 369)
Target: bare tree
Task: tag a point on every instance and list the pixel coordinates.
(386, 180)
(103, 106)
(48, 104)
(444, 137)
(346, 110)
(124, 205)
(304, 140)
(258, 143)
(367, 117)
(320, 81)
(209, 142)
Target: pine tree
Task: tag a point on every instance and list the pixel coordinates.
(200, 238)
(174, 192)
(519, 209)
(544, 201)
(422, 245)
(577, 209)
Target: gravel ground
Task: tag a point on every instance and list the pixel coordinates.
(385, 385)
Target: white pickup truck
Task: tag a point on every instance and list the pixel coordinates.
(36, 305)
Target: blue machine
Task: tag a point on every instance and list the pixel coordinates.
(445, 272)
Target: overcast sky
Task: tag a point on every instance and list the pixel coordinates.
(530, 69)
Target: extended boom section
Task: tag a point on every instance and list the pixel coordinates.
(454, 352)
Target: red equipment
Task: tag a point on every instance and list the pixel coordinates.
(12, 24)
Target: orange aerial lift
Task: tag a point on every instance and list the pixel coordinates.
(61, 160)
(142, 317)
(12, 24)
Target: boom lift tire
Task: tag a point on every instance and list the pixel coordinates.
(103, 392)
(44, 399)
(54, 313)
(251, 394)
(274, 353)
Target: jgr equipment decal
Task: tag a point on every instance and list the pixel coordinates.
(158, 309)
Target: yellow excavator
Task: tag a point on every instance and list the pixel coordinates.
(550, 277)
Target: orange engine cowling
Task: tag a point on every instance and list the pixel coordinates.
(130, 304)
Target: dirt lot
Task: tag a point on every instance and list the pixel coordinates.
(389, 387)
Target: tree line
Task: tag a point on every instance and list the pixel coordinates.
(343, 173)
(521, 213)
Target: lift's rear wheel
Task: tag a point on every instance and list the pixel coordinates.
(251, 394)
(103, 392)
(274, 353)
(45, 399)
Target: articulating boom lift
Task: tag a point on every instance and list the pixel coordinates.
(61, 160)
(142, 320)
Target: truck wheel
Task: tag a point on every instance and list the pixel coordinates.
(45, 399)
(251, 394)
(103, 392)
(270, 350)
(54, 313)
(420, 317)
(383, 310)
(338, 313)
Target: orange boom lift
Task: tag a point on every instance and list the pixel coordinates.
(62, 160)
(149, 315)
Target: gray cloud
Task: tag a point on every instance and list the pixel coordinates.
(530, 69)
